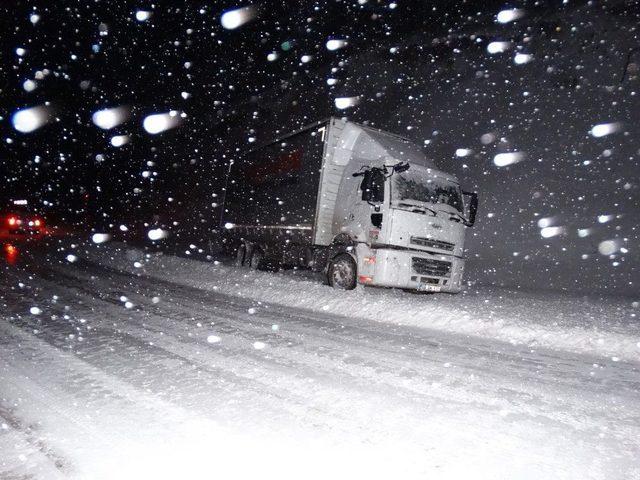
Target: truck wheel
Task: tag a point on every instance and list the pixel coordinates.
(256, 261)
(342, 273)
(241, 253)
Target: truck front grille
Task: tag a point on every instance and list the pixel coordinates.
(427, 266)
(431, 243)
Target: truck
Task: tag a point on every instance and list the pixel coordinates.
(361, 205)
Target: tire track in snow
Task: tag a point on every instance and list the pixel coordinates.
(347, 333)
(28, 434)
(313, 331)
(402, 348)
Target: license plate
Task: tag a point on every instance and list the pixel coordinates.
(425, 287)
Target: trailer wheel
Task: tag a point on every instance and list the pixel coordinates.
(241, 253)
(256, 261)
(342, 272)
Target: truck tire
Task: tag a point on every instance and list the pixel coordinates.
(257, 259)
(241, 253)
(343, 272)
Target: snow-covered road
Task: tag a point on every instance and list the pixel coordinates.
(110, 374)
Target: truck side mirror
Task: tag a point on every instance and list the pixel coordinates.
(372, 186)
(473, 207)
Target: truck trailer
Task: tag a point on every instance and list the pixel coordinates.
(357, 203)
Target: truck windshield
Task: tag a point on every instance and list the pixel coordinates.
(424, 187)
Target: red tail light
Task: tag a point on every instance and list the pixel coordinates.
(37, 222)
(12, 221)
(11, 254)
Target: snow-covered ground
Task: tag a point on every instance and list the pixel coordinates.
(178, 368)
(598, 325)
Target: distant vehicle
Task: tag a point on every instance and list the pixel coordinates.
(20, 218)
(362, 205)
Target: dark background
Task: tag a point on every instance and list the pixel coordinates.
(421, 69)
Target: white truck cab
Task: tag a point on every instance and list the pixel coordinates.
(412, 235)
(407, 219)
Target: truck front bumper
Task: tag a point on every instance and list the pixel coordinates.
(409, 269)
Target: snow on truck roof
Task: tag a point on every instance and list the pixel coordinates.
(396, 147)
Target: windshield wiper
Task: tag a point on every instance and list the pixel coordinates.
(420, 208)
(458, 218)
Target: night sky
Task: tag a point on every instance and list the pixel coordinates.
(430, 72)
(88, 56)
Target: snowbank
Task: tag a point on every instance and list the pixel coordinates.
(602, 326)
